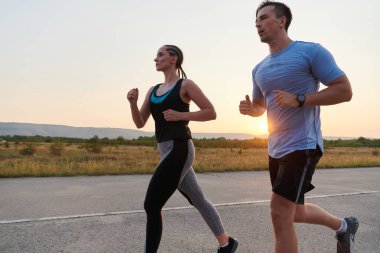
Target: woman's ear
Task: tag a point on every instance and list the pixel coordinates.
(173, 59)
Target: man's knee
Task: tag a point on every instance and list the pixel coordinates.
(282, 210)
(280, 216)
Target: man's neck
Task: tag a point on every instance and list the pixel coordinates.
(279, 44)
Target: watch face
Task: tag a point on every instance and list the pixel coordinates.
(301, 98)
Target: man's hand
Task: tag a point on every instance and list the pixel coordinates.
(285, 99)
(245, 106)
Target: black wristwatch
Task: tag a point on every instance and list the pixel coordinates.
(301, 98)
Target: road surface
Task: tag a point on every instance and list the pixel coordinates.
(105, 213)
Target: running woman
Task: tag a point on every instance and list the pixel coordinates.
(168, 103)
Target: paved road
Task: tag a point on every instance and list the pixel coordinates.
(105, 214)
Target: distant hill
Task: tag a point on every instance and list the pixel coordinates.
(29, 129)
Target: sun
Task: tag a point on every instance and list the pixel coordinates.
(260, 125)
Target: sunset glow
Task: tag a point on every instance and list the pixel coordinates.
(261, 126)
(76, 69)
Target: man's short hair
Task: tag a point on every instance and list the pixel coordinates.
(280, 9)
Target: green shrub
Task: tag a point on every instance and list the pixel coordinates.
(28, 150)
(93, 145)
(56, 149)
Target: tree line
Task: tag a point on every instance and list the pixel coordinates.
(202, 143)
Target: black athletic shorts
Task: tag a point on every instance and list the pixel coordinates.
(291, 174)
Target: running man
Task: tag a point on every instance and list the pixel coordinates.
(286, 85)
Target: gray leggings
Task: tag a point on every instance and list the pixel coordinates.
(175, 172)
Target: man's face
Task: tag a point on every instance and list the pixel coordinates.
(267, 24)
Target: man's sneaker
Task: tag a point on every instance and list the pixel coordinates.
(346, 239)
(231, 247)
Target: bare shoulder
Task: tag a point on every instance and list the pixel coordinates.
(149, 91)
(189, 84)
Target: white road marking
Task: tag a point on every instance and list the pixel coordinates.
(66, 217)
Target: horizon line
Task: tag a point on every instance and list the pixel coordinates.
(152, 132)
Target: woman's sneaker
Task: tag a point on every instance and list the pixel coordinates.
(346, 239)
(231, 247)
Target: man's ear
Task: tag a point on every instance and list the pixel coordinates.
(283, 21)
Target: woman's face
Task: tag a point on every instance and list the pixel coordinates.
(164, 60)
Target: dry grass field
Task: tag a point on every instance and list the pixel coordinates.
(75, 160)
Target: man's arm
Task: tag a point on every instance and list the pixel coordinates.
(337, 91)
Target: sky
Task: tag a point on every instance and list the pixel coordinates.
(72, 62)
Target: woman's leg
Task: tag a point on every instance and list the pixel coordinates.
(190, 188)
(163, 184)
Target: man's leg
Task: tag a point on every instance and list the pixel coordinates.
(313, 214)
(282, 214)
(346, 229)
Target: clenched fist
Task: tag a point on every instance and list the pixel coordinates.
(171, 115)
(133, 95)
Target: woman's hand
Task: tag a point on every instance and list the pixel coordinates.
(133, 96)
(171, 115)
(141, 116)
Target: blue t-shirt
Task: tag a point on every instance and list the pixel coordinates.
(297, 69)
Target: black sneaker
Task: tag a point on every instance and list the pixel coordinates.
(231, 247)
(346, 239)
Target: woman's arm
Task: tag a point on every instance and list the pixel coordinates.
(191, 91)
(140, 117)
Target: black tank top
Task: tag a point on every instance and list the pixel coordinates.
(169, 130)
